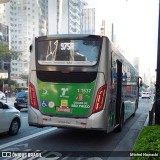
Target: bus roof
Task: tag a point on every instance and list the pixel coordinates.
(71, 36)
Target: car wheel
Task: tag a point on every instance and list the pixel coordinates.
(14, 127)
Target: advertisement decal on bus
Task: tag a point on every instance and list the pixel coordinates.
(67, 99)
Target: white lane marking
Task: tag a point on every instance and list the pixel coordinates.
(26, 138)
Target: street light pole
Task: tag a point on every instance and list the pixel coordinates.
(9, 78)
(157, 102)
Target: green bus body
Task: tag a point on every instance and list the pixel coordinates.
(67, 99)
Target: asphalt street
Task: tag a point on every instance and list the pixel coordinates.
(56, 141)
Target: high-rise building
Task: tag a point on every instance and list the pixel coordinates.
(26, 19)
(88, 21)
(136, 63)
(4, 37)
(107, 29)
(65, 16)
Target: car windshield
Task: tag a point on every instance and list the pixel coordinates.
(22, 95)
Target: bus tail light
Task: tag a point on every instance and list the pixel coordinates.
(100, 99)
(33, 97)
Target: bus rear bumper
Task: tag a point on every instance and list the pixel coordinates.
(95, 121)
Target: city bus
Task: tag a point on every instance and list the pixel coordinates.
(80, 81)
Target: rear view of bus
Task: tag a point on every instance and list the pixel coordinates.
(66, 86)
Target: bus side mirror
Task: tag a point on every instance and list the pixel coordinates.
(30, 48)
(139, 82)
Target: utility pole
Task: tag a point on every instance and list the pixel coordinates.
(9, 78)
(157, 100)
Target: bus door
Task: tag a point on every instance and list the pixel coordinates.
(119, 91)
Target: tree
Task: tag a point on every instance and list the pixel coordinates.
(15, 54)
(24, 76)
(4, 84)
(6, 54)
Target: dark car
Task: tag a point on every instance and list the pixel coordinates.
(21, 100)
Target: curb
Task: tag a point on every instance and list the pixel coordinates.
(147, 121)
(150, 110)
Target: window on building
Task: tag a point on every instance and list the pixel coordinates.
(20, 64)
(19, 25)
(20, 42)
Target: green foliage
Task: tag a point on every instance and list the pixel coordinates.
(15, 54)
(24, 76)
(6, 54)
(148, 141)
(5, 82)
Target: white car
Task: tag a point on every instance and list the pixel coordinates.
(146, 95)
(2, 95)
(10, 118)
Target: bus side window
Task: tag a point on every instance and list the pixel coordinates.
(111, 70)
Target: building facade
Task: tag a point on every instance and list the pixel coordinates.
(136, 63)
(4, 37)
(65, 16)
(88, 21)
(107, 29)
(25, 19)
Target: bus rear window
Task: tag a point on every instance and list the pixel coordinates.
(68, 52)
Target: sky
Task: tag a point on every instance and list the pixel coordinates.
(136, 28)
